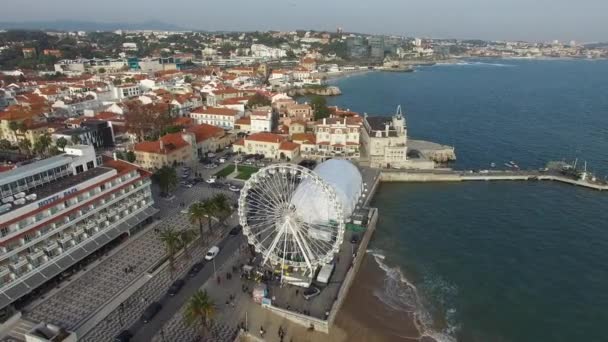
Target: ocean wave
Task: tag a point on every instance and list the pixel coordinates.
(400, 294)
(470, 63)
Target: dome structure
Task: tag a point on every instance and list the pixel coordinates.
(343, 177)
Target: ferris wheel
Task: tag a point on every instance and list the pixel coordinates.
(292, 217)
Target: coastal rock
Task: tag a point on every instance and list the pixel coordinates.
(322, 91)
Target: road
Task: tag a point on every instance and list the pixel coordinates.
(171, 305)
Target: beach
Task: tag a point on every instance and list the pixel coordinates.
(365, 317)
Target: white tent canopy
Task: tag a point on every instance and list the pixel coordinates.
(312, 204)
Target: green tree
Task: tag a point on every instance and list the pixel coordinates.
(61, 143)
(13, 126)
(200, 310)
(258, 100)
(75, 139)
(319, 105)
(5, 144)
(45, 142)
(102, 70)
(221, 205)
(188, 79)
(166, 178)
(171, 239)
(25, 146)
(290, 55)
(130, 156)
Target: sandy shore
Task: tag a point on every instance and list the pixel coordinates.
(364, 317)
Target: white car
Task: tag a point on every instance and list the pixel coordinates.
(234, 188)
(212, 253)
(211, 180)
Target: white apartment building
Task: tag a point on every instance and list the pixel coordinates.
(338, 137)
(216, 116)
(56, 211)
(261, 120)
(259, 50)
(125, 91)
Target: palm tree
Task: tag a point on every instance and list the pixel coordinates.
(171, 240)
(200, 309)
(166, 178)
(186, 236)
(197, 214)
(45, 142)
(24, 146)
(221, 204)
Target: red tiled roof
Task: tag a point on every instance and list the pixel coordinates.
(183, 121)
(288, 146)
(240, 142)
(304, 137)
(203, 132)
(266, 137)
(244, 121)
(216, 111)
(171, 142)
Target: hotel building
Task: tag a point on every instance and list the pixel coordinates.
(56, 211)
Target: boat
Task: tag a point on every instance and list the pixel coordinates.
(492, 164)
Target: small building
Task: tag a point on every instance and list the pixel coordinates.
(170, 150)
(261, 120)
(269, 145)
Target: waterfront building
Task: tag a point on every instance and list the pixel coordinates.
(356, 48)
(376, 47)
(384, 140)
(58, 210)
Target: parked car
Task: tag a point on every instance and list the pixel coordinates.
(212, 253)
(222, 160)
(234, 188)
(354, 239)
(311, 292)
(236, 230)
(211, 180)
(195, 269)
(175, 287)
(151, 311)
(124, 336)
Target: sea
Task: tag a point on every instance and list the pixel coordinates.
(496, 261)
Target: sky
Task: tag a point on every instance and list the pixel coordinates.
(531, 20)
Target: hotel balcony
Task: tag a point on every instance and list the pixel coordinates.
(65, 241)
(51, 247)
(18, 265)
(37, 254)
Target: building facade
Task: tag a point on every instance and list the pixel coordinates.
(216, 116)
(59, 210)
(384, 140)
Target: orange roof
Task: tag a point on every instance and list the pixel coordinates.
(216, 111)
(240, 142)
(266, 137)
(235, 100)
(288, 146)
(244, 121)
(304, 137)
(204, 132)
(108, 116)
(183, 121)
(171, 142)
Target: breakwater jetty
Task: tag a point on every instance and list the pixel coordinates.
(461, 176)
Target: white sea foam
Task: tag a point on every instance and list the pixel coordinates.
(400, 294)
(471, 63)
